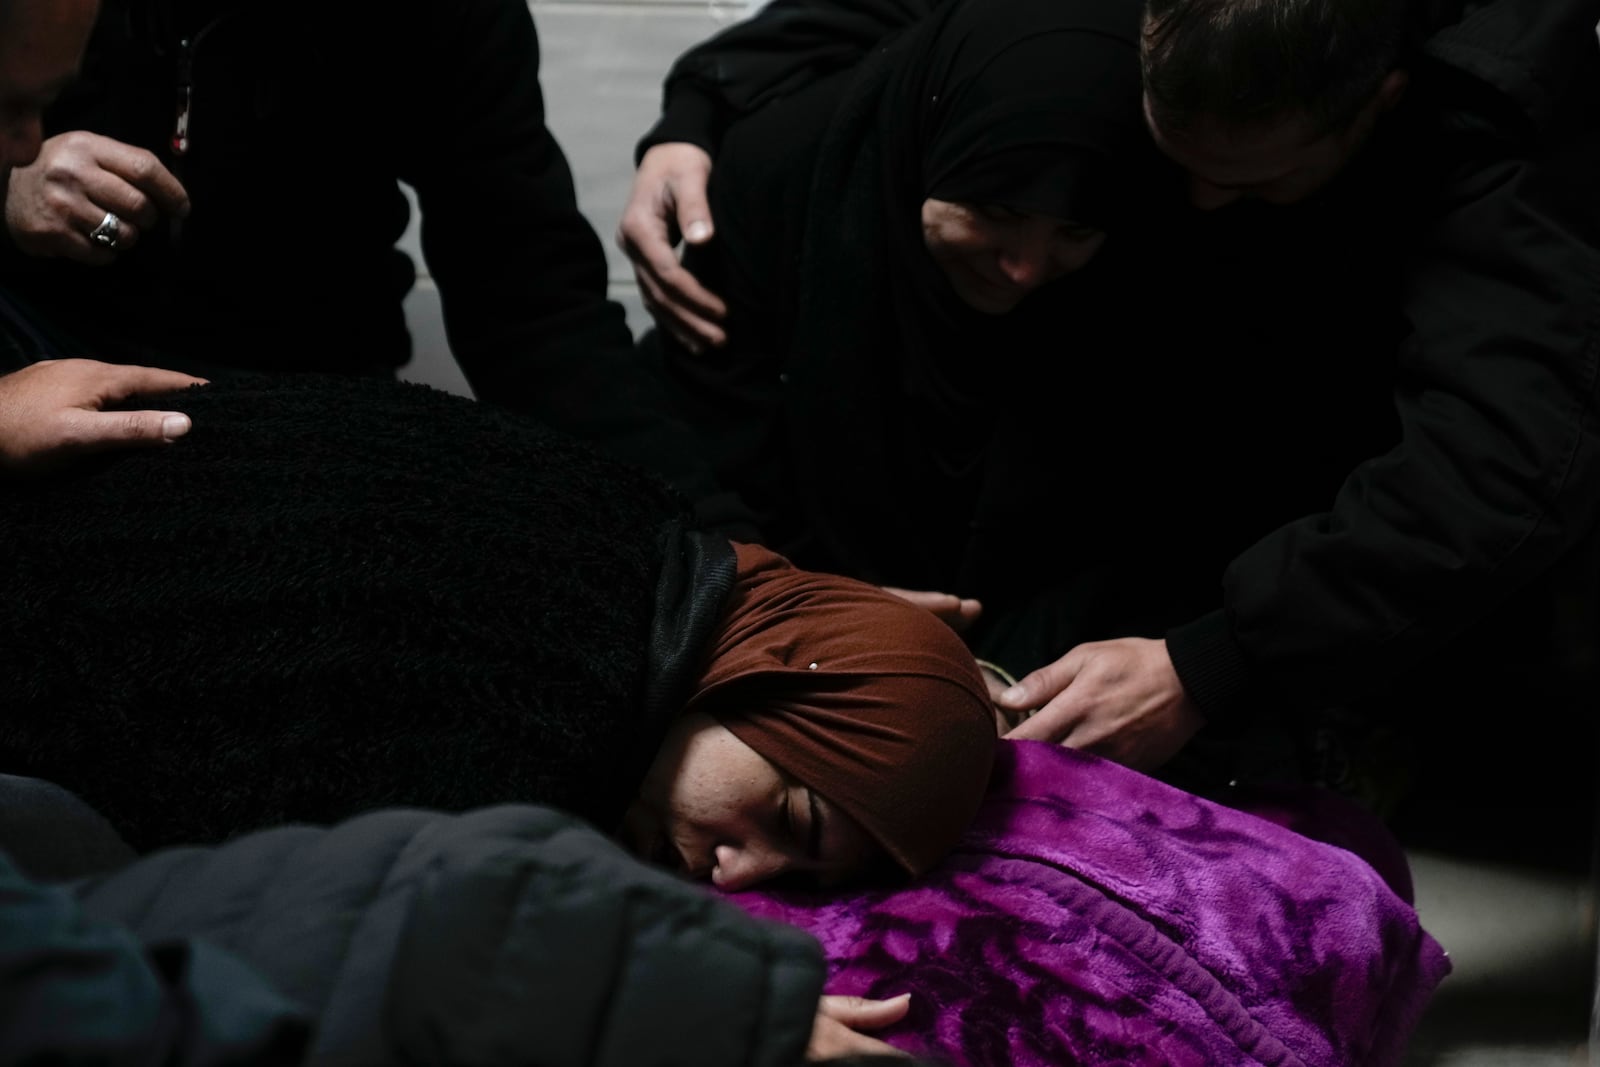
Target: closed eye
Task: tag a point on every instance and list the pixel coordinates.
(814, 838)
(802, 821)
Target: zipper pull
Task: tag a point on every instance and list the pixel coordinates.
(180, 129)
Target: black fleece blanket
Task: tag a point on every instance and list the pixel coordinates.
(331, 596)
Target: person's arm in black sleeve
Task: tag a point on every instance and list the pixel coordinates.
(520, 270)
(783, 46)
(1493, 482)
(76, 990)
(734, 396)
(1490, 491)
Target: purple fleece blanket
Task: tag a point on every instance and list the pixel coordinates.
(1093, 915)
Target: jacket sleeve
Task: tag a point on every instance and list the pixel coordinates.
(521, 272)
(77, 990)
(1493, 481)
(785, 45)
(420, 937)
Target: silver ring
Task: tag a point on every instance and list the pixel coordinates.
(105, 235)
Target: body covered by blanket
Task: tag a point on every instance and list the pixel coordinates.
(1093, 915)
(335, 595)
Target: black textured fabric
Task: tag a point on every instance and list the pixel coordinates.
(697, 576)
(333, 595)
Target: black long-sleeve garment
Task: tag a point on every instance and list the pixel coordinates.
(1467, 234)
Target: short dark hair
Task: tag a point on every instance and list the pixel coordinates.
(1245, 62)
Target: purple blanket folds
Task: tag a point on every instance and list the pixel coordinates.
(1093, 915)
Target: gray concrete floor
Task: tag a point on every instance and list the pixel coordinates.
(1522, 942)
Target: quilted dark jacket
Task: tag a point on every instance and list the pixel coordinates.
(512, 934)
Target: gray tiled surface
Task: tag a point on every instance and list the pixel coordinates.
(1522, 944)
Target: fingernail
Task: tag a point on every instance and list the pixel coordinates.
(698, 231)
(174, 426)
(1014, 693)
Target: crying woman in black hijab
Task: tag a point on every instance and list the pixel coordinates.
(910, 252)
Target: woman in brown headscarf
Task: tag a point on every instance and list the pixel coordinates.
(833, 723)
(334, 596)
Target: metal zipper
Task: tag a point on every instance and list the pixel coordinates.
(186, 50)
(180, 129)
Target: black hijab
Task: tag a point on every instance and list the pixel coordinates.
(896, 385)
(1028, 104)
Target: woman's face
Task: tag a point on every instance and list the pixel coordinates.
(712, 807)
(994, 256)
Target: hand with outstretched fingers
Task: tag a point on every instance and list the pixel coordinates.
(54, 409)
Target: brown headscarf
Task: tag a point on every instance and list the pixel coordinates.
(861, 695)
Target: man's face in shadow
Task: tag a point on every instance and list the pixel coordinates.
(1276, 161)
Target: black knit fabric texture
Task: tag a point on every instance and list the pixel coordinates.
(333, 595)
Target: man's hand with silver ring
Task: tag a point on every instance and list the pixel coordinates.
(90, 199)
(105, 235)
